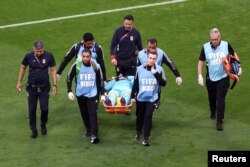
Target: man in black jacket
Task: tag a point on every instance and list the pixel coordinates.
(125, 44)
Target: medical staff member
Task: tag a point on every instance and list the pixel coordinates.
(162, 58)
(88, 79)
(217, 80)
(76, 52)
(149, 77)
(38, 84)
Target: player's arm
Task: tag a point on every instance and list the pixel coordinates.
(108, 86)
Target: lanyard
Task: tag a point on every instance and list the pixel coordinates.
(40, 64)
(124, 36)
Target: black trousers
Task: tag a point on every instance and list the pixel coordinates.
(88, 107)
(33, 98)
(126, 67)
(217, 92)
(144, 114)
(126, 72)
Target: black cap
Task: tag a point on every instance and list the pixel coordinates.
(88, 37)
(38, 44)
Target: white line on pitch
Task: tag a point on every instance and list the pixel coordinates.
(90, 14)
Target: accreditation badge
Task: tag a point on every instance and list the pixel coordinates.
(44, 61)
(131, 38)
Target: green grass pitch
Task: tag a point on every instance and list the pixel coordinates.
(182, 131)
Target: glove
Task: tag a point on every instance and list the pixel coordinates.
(102, 98)
(240, 71)
(133, 100)
(58, 77)
(71, 96)
(200, 80)
(178, 80)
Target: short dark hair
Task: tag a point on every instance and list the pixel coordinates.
(152, 51)
(152, 41)
(38, 44)
(88, 37)
(87, 50)
(128, 17)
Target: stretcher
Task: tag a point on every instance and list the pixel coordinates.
(117, 109)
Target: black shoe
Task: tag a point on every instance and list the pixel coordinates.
(43, 129)
(94, 139)
(34, 133)
(145, 142)
(137, 136)
(219, 127)
(212, 115)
